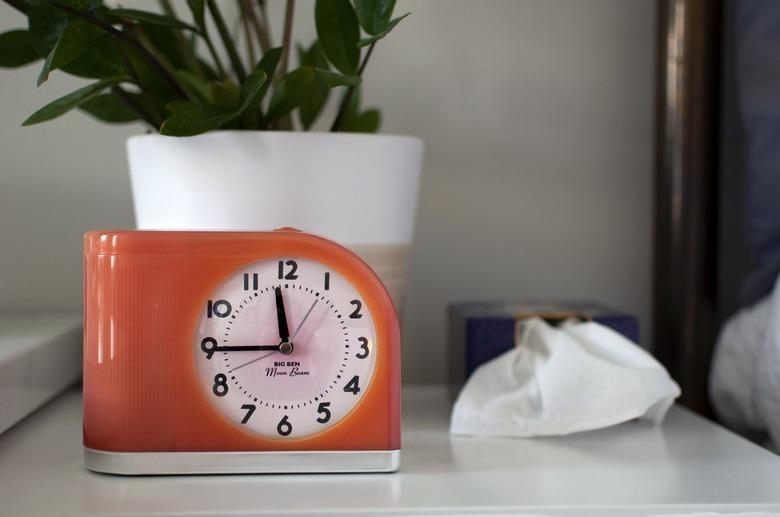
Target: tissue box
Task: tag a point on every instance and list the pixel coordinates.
(479, 332)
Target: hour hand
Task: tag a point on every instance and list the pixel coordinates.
(281, 316)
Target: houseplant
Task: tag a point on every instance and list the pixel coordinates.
(237, 99)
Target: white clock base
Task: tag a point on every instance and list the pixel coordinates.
(305, 462)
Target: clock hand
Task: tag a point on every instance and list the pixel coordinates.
(252, 361)
(246, 348)
(304, 319)
(279, 346)
(281, 317)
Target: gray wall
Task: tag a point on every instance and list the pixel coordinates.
(537, 183)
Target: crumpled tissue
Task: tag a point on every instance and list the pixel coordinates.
(560, 380)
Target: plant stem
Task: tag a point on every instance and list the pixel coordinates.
(227, 41)
(186, 49)
(159, 111)
(285, 123)
(286, 38)
(351, 91)
(266, 22)
(213, 51)
(129, 40)
(260, 31)
(250, 48)
(137, 108)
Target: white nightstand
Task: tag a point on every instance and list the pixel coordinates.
(687, 465)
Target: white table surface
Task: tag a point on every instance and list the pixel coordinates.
(40, 356)
(686, 466)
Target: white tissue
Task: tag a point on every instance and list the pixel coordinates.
(557, 381)
(745, 376)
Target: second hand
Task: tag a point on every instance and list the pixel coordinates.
(291, 338)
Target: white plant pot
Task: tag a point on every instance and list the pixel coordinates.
(359, 190)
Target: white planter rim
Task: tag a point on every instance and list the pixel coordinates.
(223, 133)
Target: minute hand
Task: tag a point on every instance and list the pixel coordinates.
(247, 348)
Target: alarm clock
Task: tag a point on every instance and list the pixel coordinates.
(236, 352)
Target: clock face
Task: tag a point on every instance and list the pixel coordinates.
(285, 348)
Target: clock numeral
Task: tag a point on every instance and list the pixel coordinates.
(290, 275)
(352, 386)
(356, 313)
(251, 286)
(249, 408)
(324, 411)
(219, 308)
(285, 427)
(208, 345)
(327, 281)
(220, 388)
(363, 348)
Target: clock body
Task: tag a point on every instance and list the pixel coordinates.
(209, 352)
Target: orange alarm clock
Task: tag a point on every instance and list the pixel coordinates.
(236, 352)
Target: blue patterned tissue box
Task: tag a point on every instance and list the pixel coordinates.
(481, 331)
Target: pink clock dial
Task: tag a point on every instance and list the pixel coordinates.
(285, 348)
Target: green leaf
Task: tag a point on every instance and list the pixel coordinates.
(313, 56)
(109, 108)
(251, 90)
(194, 84)
(374, 15)
(290, 92)
(151, 82)
(16, 49)
(165, 45)
(315, 101)
(70, 101)
(270, 61)
(197, 7)
(366, 122)
(311, 107)
(101, 60)
(353, 109)
(376, 37)
(191, 118)
(339, 33)
(268, 64)
(46, 24)
(225, 94)
(332, 79)
(152, 18)
(74, 41)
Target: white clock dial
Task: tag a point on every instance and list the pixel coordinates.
(285, 348)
